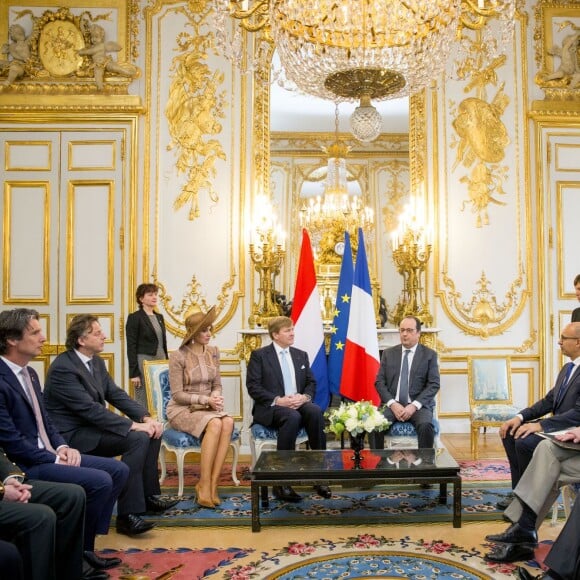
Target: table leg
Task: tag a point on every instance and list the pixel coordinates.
(265, 498)
(255, 507)
(443, 493)
(457, 503)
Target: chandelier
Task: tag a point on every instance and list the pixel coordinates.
(336, 211)
(363, 50)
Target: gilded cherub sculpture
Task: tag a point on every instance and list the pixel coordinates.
(102, 61)
(18, 51)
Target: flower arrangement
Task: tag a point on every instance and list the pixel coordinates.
(356, 418)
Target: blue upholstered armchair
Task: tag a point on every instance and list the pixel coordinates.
(158, 395)
(490, 394)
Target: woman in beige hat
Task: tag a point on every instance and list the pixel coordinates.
(197, 404)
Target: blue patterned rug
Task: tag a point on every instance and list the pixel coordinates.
(368, 555)
(380, 504)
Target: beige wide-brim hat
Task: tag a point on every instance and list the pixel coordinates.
(196, 321)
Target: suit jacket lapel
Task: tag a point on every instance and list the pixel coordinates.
(275, 364)
(13, 381)
(90, 381)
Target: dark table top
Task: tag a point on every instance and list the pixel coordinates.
(338, 464)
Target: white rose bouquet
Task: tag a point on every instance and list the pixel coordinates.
(356, 418)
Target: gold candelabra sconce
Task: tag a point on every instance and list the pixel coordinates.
(267, 254)
(411, 244)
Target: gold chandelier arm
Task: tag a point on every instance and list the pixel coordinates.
(253, 18)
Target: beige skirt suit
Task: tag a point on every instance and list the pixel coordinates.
(193, 378)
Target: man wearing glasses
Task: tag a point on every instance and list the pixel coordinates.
(519, 434)
(407, 383)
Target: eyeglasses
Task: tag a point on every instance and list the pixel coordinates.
(562, 337)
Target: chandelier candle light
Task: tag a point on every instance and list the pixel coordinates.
(267, 254)
(411, 244)
(336, 210)
(363, 50)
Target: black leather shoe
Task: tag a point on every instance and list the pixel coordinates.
(515, 534)
(286, 493)
(503, 504)
(523, 574)
(323, 490)
(157, 505)
(101, 563)
(505, 553)
(132, 525)
(89, 573)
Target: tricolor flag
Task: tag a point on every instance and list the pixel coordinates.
(307, 318)
(361, 355)
(340, 320)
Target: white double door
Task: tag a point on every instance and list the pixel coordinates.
(64, 212)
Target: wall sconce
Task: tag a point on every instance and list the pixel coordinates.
(411, 244)
(267, 254)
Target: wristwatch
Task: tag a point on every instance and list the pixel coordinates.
(1, 491)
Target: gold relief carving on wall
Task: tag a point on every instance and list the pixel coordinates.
(557, 49)
(66, 53)
(484, 315)
(392, 200)
(194, 108)
(481, 146)
(529, 343)
(191, 302)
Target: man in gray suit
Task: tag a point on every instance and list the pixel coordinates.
(407, 383)
(77, 390)
(535, 494)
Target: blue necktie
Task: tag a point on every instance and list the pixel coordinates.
(564, 385)
(288, 386)
(404, 386)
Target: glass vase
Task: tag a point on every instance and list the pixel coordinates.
(357, 444)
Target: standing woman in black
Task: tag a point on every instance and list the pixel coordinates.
(146, 338)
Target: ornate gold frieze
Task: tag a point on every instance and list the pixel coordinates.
(194, 107)
(484, 315)
(67, 53)
(558, 59)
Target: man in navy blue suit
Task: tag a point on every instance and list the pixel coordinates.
(30, 439)
(280, 382)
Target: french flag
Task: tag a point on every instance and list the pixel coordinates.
(307, 318)
(361, 353)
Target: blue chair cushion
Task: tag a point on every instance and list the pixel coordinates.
(182, 440)
(261, 432)
(493, 412)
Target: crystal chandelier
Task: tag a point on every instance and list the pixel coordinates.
(363, 50)
(336, 211)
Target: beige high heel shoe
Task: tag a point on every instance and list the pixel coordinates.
(203, 501)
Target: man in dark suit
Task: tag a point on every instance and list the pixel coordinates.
(44, 521)
(280, 382)
(78, 387)
(407, 383)
(576, 311)
(30, 439)
(562, 401)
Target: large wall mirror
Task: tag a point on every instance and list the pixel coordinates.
(289, 151)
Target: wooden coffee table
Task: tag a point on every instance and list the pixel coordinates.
(332, 467)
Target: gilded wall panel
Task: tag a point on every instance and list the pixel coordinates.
(483, 263)
(195, 179)
(28, 156)
(26, 225)
(90, 256)
(92, 155)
